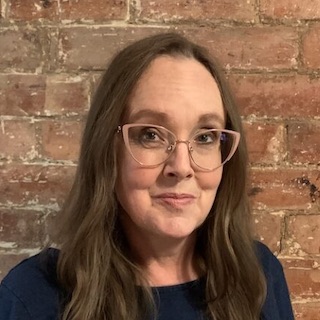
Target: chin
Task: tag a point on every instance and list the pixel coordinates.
(178, 232)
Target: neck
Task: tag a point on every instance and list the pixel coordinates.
(166, 261)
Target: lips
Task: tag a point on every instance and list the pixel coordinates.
(175, 199)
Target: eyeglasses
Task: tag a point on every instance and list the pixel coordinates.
(151, 145)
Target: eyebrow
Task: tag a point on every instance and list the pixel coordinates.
(148, 113)
(164, 118)
(212, 117)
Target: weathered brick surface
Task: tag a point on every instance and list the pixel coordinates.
(93, 10)
(287, 96)
(32, 9)
(61, 140)
(67, 10)
(18, 140)
(268, 228)
(22, 95)
(290, 9)
(307, 310)
(52, 54)
(283, 189)
(21, 228)
(266, 142)
(235, 48)
(238, 10)
(311, 47)
(49, 226)
(79, 45)
(303, 276)
(250, 47)
(22, 49)
(303, 232)
(67, 95)
(29, 95)
(34, 185)
(304, 142)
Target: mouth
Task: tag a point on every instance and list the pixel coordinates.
(176, 200)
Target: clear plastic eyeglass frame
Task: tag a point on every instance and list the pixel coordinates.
(225, 136)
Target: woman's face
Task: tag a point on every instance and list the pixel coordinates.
(173, 199)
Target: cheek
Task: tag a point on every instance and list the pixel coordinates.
(208, 185)
(136, 179)
(210, 181)
(133, 181)
(132, 175)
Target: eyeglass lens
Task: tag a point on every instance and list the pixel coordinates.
(151, 146)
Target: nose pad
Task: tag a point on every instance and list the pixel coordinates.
(174, 149)
(174, 146)
(179, 163)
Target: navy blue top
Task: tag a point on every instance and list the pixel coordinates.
(30, 291)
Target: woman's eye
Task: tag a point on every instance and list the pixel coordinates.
(149, 135)
(207, 137)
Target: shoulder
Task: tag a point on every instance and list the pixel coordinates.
(30, 290)
(277, 304)
(270, 263)
(271, 266)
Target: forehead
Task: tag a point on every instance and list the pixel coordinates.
(178, 90)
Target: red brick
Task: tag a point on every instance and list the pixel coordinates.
(280, 189)
(95, 81)
(266, 142)
(21, 50)
(311, 185)
(67, 95)
(50, 225)
(279, 48)
(8, 261)
(33, 9)
(22, 95)
(290, 95)
(245, 47)
(18, 140)
(61, 140)
(304, 232)
(311, 47)
(35, 185)
(93, 10)
(91, 48)
(303, 277)
(306, 310)
(304, 142)
(21, 228)
(290, 9)
(268, 228)
(238, 10)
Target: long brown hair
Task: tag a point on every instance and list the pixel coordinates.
(94, 267)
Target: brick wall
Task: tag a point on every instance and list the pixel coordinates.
(51, 55)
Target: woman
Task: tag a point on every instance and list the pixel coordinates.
(156, 225)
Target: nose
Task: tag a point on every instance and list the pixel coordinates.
(179, 163)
